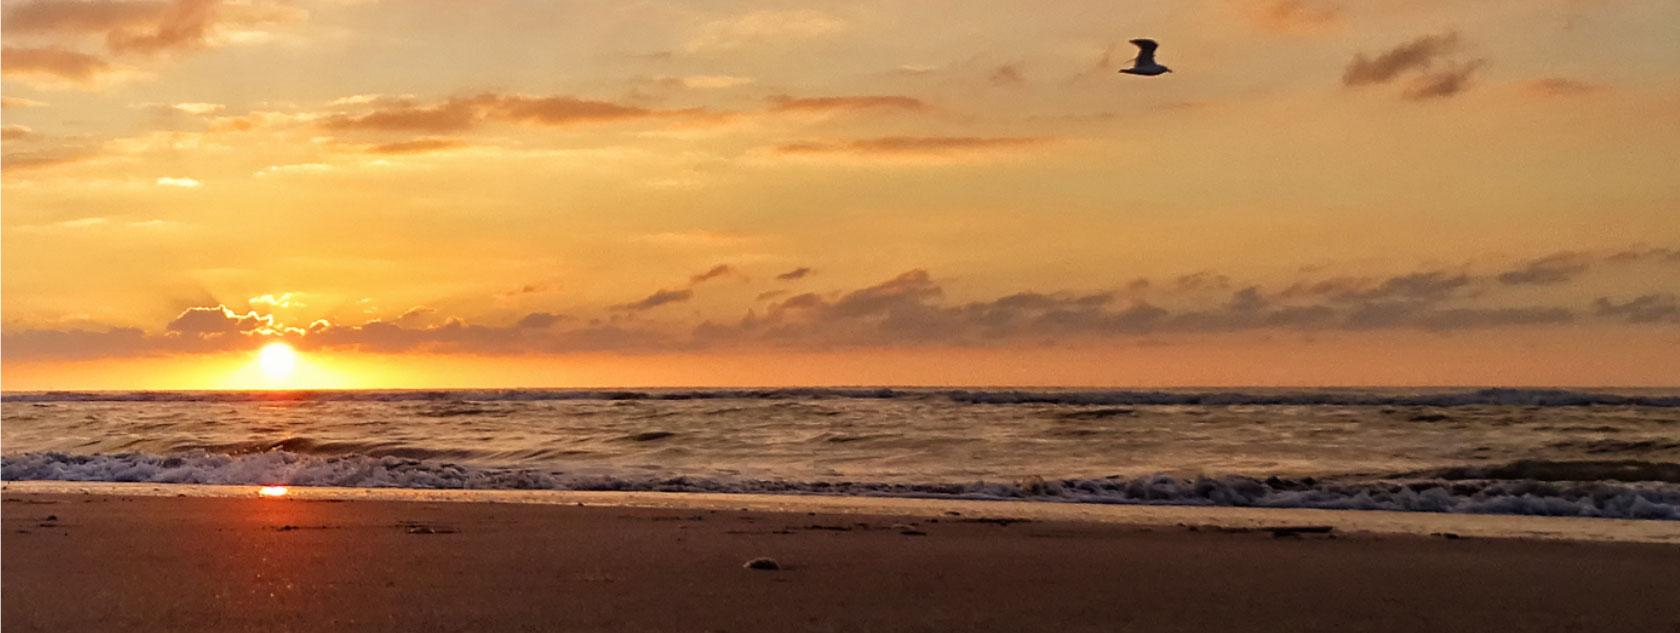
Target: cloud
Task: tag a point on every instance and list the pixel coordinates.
(299, 168)
(1416, 55)
(539, 320)
(1651, 308)
(720, 270)
(56, 66)
(22, 161)
(15, 132)
(464, 113)
(785, 103)
(183, 183)
(912, 309)
(453, 115)
(1632, 255)
(416, 146)
(1294, 16)
(705, 82)
(912, 146)
(198, 108)
(1006, 75)
(1396, 315)
(76, 16)
(1548, 270)
(184, 24)
(218, 320)
(657, 299)
(1563, 87)
(145, 27)
(1445, 83)
(764, 27)
(282, 300)
(20, 102)
(1426, 286)
(1201, 280)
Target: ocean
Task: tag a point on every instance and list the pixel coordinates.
(1592, 453)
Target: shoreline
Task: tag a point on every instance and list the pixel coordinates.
(1378, 522)
(162, 562)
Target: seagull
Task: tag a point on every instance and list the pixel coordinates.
(1145, 59)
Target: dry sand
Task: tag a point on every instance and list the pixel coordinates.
(120, 563)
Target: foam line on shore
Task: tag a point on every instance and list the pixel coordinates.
(1178, 517)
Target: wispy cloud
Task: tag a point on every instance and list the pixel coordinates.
(765, 27)
(1294, 16)
(785, 103)
(658, 298)
(179, 182)
(913, 146)
(1563, 87)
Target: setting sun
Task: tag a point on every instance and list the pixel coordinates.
(277, 360)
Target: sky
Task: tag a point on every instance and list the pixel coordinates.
(557, 194)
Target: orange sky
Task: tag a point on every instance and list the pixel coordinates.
(559, 194)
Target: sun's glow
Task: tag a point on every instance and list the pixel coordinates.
(272, 491)
(277, 360)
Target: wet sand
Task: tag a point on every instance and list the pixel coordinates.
(134, 563)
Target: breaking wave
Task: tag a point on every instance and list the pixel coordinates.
(1627, 490)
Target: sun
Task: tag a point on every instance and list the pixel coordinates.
(277, 361)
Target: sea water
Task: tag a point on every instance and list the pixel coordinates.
(1592, 453)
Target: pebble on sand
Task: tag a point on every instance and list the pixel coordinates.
(763, 564)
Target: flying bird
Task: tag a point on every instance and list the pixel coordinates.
(1145, 60)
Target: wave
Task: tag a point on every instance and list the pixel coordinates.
(463, 398)
(1494, 490)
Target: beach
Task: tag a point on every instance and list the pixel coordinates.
(151, 562)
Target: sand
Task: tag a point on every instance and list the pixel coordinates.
(139, 563)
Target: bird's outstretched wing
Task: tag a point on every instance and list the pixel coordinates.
(1146, 51)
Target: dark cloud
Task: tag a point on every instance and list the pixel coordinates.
(657, 299)
(40, 343)
(217, 320)
(142, 27)
(453, 115)
(538, 320)
(1204, 280)
(15, 132)
(560, 111)
(720, 270)
(797, 273)
(1548, 270)
(914, 309)
(463, 113)
(1651, 308)
(184, 24)
(21, 161)
(1633, 255)
(1429, 286)
(1445, 83)
(78, 16)
(785, 103)
(55, 63)
(1006, 75)
(1400, 314)
(1416, 55)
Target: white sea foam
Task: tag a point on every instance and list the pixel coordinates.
(1613, 499)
